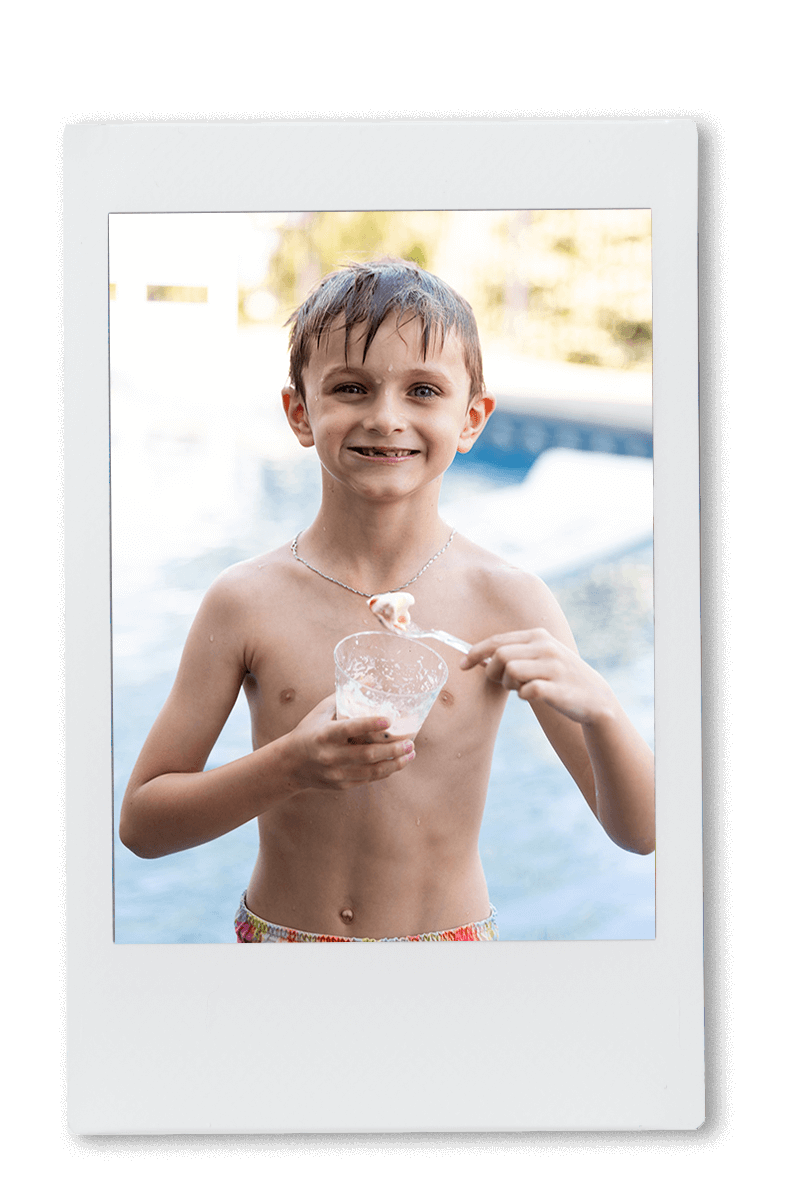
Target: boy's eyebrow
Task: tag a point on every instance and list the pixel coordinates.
(420, 371)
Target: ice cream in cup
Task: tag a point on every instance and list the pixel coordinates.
(386, 675)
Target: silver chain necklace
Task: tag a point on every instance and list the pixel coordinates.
(347, 586)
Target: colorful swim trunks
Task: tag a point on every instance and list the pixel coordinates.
(250, 928)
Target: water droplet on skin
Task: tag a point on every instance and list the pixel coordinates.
(211, 637)
(418, 820)
(459, 754)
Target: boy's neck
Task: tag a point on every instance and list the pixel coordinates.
(373, 549)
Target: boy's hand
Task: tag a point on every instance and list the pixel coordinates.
(336, 754)
(536, 665)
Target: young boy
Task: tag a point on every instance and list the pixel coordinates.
(364, 836)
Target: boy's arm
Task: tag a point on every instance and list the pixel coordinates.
(582, 718)
(171, 804)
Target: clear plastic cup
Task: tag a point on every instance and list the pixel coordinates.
(386, 675)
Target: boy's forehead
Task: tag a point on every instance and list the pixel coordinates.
(403, 337)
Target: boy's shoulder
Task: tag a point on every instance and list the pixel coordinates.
(491, 568)
(247, 578)
(512, 593)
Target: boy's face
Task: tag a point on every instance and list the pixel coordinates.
(391, 424)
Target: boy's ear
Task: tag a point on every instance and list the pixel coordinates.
(296, 412)
(476, 419)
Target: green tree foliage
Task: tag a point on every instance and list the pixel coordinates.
(313, 244)
(573, 285)
(576, 285)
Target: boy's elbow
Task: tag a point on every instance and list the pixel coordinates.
(642, 843)
(132, 836)
(634, 843)
(138, 848)
(132, 842)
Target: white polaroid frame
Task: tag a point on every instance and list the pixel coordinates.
(507, 1036)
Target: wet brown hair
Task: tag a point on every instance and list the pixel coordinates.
(365, 294)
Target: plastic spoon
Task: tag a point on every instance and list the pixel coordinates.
(391, 609)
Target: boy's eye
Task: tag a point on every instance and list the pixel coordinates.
(421, 391)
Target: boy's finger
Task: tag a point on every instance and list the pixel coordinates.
(482, 652)
(393, 751)
(378, 768)
(359, 729)
(384, 737)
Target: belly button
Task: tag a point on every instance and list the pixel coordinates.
(347, 915)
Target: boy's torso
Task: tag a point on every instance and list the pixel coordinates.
(400, 855)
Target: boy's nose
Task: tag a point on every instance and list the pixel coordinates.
(385, 415)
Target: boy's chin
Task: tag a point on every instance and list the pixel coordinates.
(380, 488)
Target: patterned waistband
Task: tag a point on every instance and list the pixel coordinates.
(251, 928)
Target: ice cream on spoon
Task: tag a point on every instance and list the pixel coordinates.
(391, 609)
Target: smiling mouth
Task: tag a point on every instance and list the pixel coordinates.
(383, 452)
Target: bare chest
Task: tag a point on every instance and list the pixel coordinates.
(291, 661)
